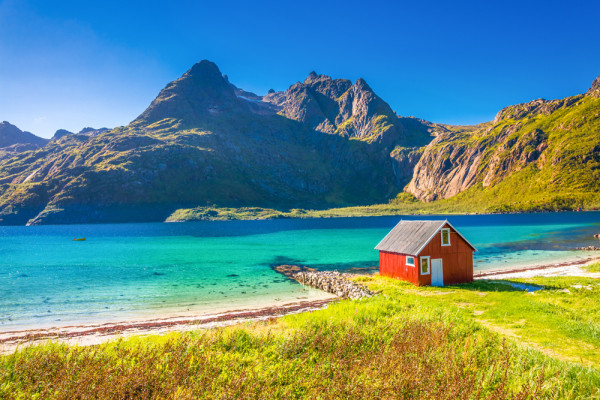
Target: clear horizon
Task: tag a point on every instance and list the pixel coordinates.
(68, 65)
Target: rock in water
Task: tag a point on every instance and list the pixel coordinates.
(291, 270)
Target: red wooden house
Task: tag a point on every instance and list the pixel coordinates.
(426, 253)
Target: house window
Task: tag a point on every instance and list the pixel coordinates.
(410, 261)
(446, 237)
(425, 265)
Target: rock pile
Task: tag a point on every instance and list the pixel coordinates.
(589, 248)
(333, 282)
(592, 248)
(291, 270)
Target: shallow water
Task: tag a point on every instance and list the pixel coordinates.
(138, 270)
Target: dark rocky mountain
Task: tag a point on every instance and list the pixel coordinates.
(93, 131)
(60, 133)
(89, 131)
(11, 135)
(336, 106)
(14, 141)
(321, 143)
(199, 93)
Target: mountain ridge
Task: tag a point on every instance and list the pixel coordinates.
(11, 135)
(321, 143)
(204, 141)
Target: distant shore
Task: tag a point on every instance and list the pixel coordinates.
(214, 213)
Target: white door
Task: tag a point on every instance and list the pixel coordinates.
(437, 273)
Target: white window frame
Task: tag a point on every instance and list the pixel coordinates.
(442, 236)
(413, 261)
(428, 258)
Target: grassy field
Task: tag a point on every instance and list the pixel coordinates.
(481, 340)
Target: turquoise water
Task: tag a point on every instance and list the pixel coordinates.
(125, 271)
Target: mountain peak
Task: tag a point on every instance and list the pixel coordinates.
(362, 85)
(10, 135)
(595, 86)
(204, 68)
(314, 77)
(201, 91)
(60, 133)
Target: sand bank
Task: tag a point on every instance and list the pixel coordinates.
(90, 334)
(573, 268)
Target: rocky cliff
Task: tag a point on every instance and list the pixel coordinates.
(548, 147)
(336, 106)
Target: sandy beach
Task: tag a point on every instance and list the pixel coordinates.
(90, 334)
(573, 268)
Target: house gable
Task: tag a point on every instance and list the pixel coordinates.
(411, 237)
(457, 259)
(437, 234)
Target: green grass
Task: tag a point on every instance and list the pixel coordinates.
(561, 320)
(405, 204)
(595, 267)
(214, 213)
(480, 340)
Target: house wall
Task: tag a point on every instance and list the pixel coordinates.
(457, 261)
(393, 265)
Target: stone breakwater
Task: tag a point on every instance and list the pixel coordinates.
(589, 248)
(333, 282)
(328, 281)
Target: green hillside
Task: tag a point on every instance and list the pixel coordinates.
(538, 156)
(206, 149)
(542, 155)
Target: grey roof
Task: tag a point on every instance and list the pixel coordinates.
(410, 237)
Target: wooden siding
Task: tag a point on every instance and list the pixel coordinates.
(394, 265)
(457, 261)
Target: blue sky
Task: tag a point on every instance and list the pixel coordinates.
(70, 64)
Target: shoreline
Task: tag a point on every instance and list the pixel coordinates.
(96, 333)
(373, 210)
(90, 334)
(572, 268)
